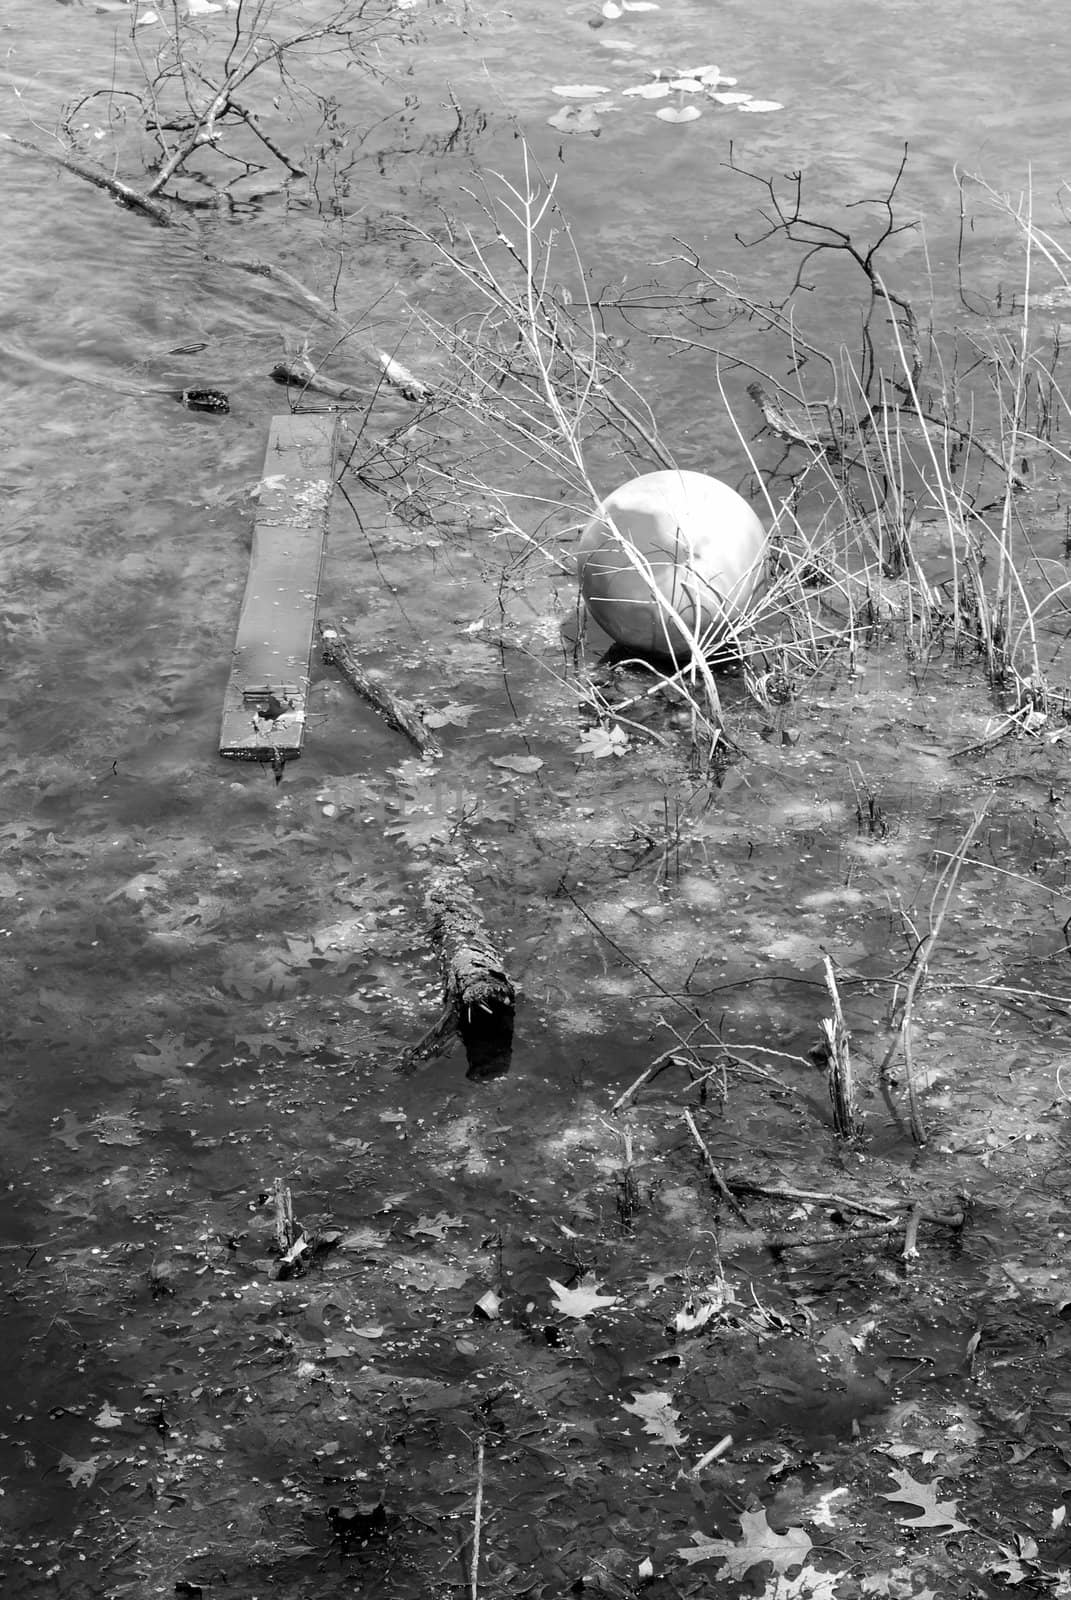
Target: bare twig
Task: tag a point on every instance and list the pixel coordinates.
(939, 903)
(715, 1175)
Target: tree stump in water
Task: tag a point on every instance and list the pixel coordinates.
(478, 997)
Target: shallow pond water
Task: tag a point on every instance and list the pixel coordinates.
(211, 978)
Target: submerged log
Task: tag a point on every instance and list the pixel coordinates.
(398, 712)
(478, 997)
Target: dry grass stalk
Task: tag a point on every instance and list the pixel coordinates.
(941, 898)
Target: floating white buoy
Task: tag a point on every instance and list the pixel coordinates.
(669, 562)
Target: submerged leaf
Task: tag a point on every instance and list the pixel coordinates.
(679, 113)
(660, 1416)
(640, 5)
(579, 1302)
(517, 763)
(762, 105)
(81, 1472)
(602, 742)
(935, 1513)
(456, 713)
(759, 1543)
(810, 1584)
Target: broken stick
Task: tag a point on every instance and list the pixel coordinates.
(400, 714)
(715, 1175)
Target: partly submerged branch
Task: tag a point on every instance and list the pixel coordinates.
(97, 175)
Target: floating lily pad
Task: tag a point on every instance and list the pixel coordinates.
(734, 98)
(762, 105)
(575, 119)
(579, 91)
(649, 91)
(679, 113)
(687, 85)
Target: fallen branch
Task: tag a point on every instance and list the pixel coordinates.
(887, 1211)
(673, 1057)
(390, 370)
(97, 175)
(835, 1236)
(396, 711)
(715, 1176)
(875, 1230)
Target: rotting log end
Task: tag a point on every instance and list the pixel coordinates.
(476, 988)
(487, 1033)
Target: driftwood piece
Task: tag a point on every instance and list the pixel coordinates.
(399, 713)
(299, 373)
(92, 173)
(478, 997)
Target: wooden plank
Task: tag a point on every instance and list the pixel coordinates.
(266, 701)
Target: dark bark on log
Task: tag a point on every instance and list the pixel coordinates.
(476, 988)
(337, 652)
(98, 176)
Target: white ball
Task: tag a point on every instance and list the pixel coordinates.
(671, 542)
